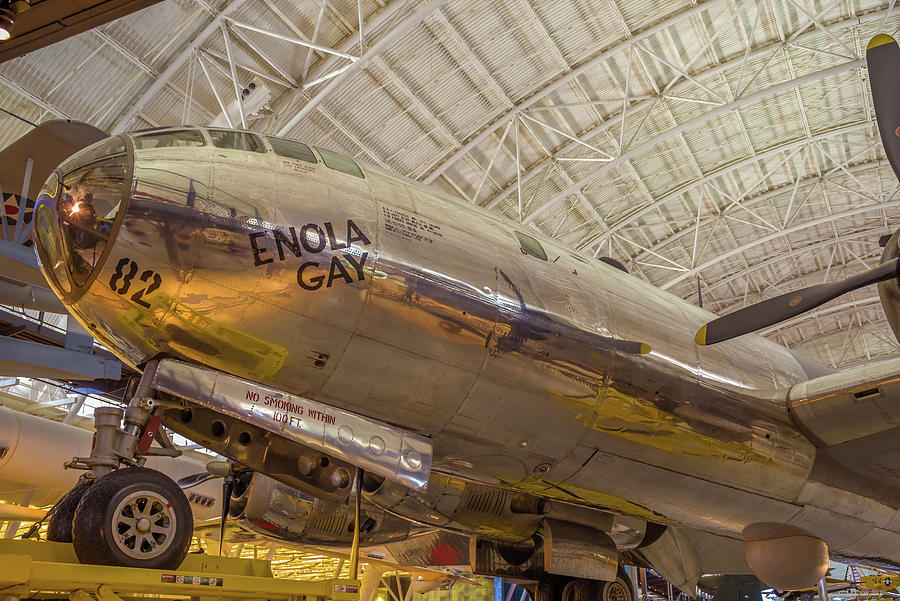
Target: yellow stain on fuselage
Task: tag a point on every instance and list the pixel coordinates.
(176, 326)
(562, 491)
(640, 421)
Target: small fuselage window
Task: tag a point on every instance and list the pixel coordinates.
(292, 150)
(169, 139)
(531, 246)
(339, 162)
(236, 140)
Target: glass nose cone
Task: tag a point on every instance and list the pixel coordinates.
(49, 241)
(87, 207)
(76, 213)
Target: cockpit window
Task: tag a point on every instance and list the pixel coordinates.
(236, 140)
(292, 150)
(339, 162)
(531, 246)
(169, 139)
(88, 204)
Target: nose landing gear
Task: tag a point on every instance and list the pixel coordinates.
(134, 517)
(126, 516)
(59, 519)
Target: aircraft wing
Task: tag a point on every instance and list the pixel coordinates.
(853, 418)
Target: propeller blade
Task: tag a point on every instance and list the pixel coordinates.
(227, 487)
(193, 480)
(883, 61)
(774, 310)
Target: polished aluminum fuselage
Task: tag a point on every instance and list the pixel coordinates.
(416, 309)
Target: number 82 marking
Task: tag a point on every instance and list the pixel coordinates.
(120, 282)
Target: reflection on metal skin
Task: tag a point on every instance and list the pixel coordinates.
(458, 505)
(464, 506)
(502, 560)
(580, 552)
(279, 511)
(376, 447)
(385, 299)
(431, 548)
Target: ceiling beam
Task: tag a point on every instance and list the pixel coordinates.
(408, 24)
(725, 170)
(567, 78)
(868, 326)
(811, 248)
(125, 121)
(749, 201)
(687, 125)
(385, 15)
(31, 97)
(624, 45)
(775, 235)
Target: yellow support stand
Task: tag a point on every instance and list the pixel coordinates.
(37, 569)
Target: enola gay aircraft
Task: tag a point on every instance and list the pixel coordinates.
(410, 362)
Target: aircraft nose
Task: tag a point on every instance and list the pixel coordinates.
(76, 215)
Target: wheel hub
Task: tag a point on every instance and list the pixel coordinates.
(144, 524)
(617, 592)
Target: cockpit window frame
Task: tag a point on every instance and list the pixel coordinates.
(75, 292)
(312, 159)
(335, 161)
(211, 131)
(168, 132)
(74, 226)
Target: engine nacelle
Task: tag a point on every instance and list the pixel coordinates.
(274, 509)
(460, 505)
(561, 548)
(495, 513)
(519, 536)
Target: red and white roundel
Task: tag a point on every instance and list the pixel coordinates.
(897, 132)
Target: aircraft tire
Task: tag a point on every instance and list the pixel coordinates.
(59, 525)
(575, 589)
(553, 587)
(133, 517)
(619, 589)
